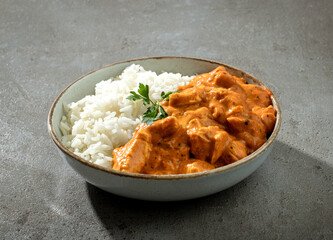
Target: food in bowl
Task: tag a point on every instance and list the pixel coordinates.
(97, 124)
(213, 119)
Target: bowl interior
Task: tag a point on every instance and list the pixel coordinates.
(186, 66)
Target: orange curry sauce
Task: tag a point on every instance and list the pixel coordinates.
(215, 120)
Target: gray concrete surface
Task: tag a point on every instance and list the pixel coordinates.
(45, 45)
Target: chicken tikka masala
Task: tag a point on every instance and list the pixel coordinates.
(215, 120)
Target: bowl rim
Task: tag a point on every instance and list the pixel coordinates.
(226, 168)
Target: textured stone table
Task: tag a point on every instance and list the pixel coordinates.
(45, 45)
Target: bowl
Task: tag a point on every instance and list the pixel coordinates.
(156, 187)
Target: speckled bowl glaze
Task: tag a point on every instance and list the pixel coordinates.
(154, 187)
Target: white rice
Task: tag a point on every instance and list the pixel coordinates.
(97, 124)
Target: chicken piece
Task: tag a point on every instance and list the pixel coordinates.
(133, 156)
(241, 124)
(203, 115)
(154, 149)
(185, 98)
(169, 147)
(232, 100)
(222, 78)
(251, 131)
(164, 128)
(218, 111)
(194, 166)
(207, 143)
(165, 161)
(257, 96)
(235, 151)
(267, 116)
(237, 111)
(223, 102)
(216, 93)
(219, 77)
(205, 79)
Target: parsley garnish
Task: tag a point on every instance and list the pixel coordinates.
(155, 111)
(165, 96)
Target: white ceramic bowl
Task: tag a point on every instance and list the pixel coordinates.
(154, 187)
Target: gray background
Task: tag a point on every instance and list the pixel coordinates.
(45, 45)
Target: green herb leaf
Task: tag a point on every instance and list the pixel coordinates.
(151, 112)
(143, 94)
(155, 111)
(162, 112)
(134, 96)
(150, 117)
(143, 90)
(165, 96)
